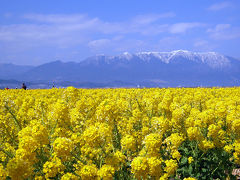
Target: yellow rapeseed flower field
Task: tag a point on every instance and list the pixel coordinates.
(181, 133)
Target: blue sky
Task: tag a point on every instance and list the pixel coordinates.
(34, 32)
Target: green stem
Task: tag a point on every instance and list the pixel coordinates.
(14, 117)
(54, 127)
(7, 153)
(8, 133)
(215, 168)
(78, 158)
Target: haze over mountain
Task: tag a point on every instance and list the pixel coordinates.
(10, 70)
(151, 69)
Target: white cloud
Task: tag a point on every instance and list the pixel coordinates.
(201, 43)
(115, 44)
(75, 28)
(56, 18)
(220, 6)
(55, 26)
(168, 43)
(127, 45)
(204, 45)
(224, 32)
(183, 27)
(100, 43)
(61, 33)
(221, 27)
(144, 24)
(81, 21)
(151, 18)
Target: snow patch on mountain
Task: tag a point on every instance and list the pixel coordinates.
(212, 59)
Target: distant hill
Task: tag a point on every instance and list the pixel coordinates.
(11, 71)
(150, 69)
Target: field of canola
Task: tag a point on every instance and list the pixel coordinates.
(180, 133)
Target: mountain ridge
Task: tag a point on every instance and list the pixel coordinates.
(165, 69)
(166, 57)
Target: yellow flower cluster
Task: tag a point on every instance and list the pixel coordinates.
(114, 133)
(63, 147)
(53, 167)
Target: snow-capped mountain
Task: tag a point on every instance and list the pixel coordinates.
(175, 68)
(212, 59)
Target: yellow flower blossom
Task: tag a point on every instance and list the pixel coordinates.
(140, 167)
(106, 172)
(145, 133)
(69, 176)
(128, 143)
(63, 147)
(53, 167)
(171, 166)
(155, 167)
(190, 160)
(89, 172)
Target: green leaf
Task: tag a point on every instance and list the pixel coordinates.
(190, 169)
(184, 160)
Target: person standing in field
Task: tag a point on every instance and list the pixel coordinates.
(24, 86)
